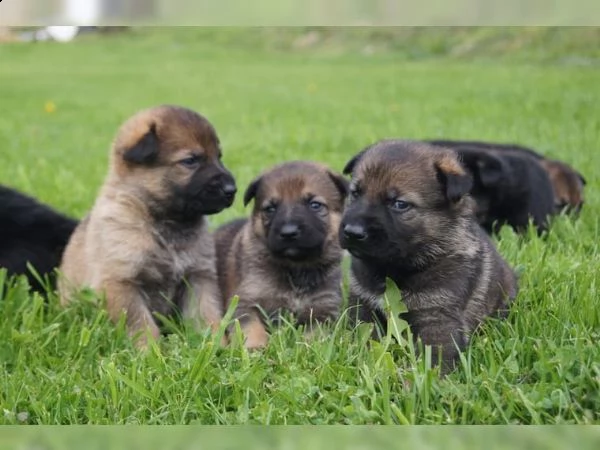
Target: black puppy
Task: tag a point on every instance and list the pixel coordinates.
(510, 184)
(457, 144)
(31, 232)
(567, 183)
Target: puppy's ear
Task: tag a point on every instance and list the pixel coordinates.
(487, 168)
(349, 167)
(145, 150)
(456, 181)
(251, 190)
(340, 182)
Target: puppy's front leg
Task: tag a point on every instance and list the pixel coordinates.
(441, 329)
(203, 303)
(253, 329)
(365, 300)
(123, 296)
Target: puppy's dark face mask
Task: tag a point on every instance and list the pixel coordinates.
(403, 204)
(178, 164)
(296, 211)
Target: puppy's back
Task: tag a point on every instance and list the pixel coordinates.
(486, 146)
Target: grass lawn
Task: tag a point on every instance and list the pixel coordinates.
(61, 105)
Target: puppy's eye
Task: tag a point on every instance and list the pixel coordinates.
(354, 192)
(269, 209)
(191, 161)
(400, 205)
(315, 205)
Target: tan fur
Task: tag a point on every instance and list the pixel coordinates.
(263, 282)
(121, 250)
(567, 184)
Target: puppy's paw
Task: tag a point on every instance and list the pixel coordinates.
(256, 335)
(215, 328)
(142, 337)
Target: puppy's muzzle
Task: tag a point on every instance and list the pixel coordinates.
(229, 190)
(223, 186)
(354, 232)
(289, 232)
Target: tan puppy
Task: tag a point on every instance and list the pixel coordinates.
(286, 257)
(145, 243)
(411, 220)
(568, 185)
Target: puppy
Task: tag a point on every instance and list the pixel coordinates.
(286, 257)
(509, 189)
(31, 232)
(567, 183)
(145, 243)
(568, 186)
(410, 218)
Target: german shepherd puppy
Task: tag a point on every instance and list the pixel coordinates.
(286, 257)
(31, 232)
(567, 183)
(410, 218)
(509, 189)
(568, 186)
(145, 243)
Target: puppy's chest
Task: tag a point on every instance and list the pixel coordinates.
(303, 291)
(169, 265)
(165, 276)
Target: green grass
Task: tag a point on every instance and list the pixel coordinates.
(65, 366)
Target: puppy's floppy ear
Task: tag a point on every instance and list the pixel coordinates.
(349, 167)
(340, 182)
(456, 181)
(145, 150)
(487, 168)
(251, 190)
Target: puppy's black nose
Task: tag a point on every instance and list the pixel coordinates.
(355, 232)
(289, 231)
(229, 189)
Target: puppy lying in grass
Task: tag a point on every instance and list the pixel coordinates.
(514, 183)
(410, 218)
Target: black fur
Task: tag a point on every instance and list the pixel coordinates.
(145, 151)
(31, 232)
(251, 190)
(456, 144)
(455, 186)
(510, 187)
(203, 195)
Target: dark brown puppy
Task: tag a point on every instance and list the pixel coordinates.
(567, 183)
(286, 257)
(145, 243)
(410, 218)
